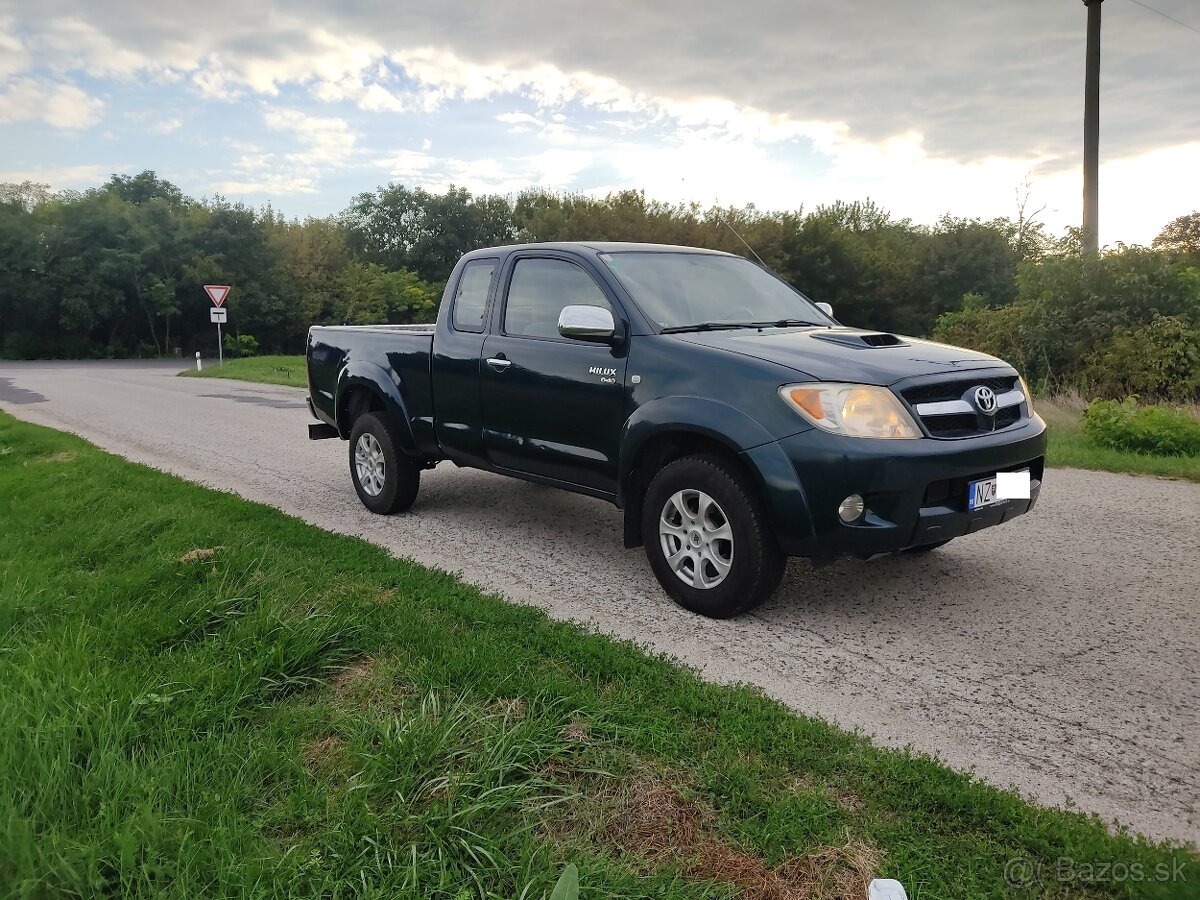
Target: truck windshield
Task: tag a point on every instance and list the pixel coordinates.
(696, 291)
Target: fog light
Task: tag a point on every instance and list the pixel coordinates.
(851, 508)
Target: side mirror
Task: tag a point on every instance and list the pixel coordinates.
(587, 323)
(826, 308)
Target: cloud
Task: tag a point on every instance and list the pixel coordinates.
(325, 144)
(59, 177)
(519, 118)
(61, 105)
(166, 126)
(974, 79)
(271, 184)
(939, 104)
(407, 165)
(326, 141)
(14, 57)
(552, 169)
(69, 43)
(370, 96)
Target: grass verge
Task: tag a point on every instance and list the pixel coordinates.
(1070, 448)
(287, 370)
(204, 697)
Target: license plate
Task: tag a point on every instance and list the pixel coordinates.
(982, 493)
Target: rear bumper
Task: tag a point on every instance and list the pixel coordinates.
(319, 431)
(915, 491)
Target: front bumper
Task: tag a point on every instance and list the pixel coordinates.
(915, 491)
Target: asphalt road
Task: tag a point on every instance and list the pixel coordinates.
(1057, 654)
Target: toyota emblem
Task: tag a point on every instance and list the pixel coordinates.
(985, 400)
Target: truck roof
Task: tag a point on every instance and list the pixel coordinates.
(596, 247)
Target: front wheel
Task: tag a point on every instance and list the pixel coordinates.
(707, 537)
(385, 479)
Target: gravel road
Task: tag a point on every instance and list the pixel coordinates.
(1057, 654)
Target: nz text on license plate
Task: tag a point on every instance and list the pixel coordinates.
(982, 493)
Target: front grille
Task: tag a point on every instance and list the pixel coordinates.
(963, 424)
(970, 424)
(953, 390)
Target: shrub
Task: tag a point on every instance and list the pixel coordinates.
(248, 344)
(242, 345)
(994, 330)
(1161, 359)
(1157, 430)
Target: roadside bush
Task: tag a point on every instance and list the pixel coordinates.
(995, 330)
(1123, 323)
(1156, 430)
(1161, 359)
(242, 345)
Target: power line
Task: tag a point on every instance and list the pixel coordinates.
(1165, 16)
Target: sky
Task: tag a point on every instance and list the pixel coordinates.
(927, 107)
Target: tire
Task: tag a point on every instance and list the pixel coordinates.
(743, 570)
(928, 548)
(388, 480)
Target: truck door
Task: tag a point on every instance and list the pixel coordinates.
(552, 406)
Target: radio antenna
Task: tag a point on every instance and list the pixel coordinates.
(725, 221)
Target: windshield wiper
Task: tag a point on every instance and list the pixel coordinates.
(716, 326)
(789, 323)
(708, 326)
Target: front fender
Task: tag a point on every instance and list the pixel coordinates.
(757, 448)
(384, 387)
(698, 415)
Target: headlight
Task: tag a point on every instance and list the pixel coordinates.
(1028, 393)
(855, 410)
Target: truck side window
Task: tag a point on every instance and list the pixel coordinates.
(470, 300)
(539, 290)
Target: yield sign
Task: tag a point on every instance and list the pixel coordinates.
(217, 293)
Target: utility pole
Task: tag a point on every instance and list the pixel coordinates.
(1091, 132)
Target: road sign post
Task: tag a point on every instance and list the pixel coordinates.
(218, 314)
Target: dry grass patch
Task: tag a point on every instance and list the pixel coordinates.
(654, 822)
(576, 731)
(843, 797)
(372, 683)
(348, 677)
(325, 755)
(65, 457)
(200, 554)
(508, 708)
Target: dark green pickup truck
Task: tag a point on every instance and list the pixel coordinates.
(735, 422)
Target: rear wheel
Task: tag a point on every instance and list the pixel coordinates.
(707, 537)
(385, 479)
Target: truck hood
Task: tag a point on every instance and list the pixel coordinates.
(845, 354)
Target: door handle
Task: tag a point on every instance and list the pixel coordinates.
(499, 363)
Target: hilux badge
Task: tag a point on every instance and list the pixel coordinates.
(985, 399)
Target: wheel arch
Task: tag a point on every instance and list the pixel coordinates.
(669, 429)
(365, 387)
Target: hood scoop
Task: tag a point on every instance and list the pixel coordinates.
(861, 340)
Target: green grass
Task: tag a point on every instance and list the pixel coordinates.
(200, 696)
(1070, 448)
(287, 370)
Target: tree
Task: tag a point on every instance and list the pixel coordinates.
(369, 294)
(28, 195)
(1181, 237)
(402, 228)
